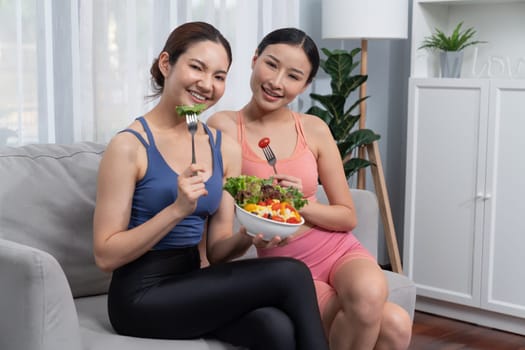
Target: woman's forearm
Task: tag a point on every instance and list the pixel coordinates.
(330, 217)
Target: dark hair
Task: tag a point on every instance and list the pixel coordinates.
(178, 42)
(296, 37)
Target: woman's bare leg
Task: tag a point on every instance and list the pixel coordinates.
(389, 325)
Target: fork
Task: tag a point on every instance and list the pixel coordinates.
(192, 121)
(270, 157)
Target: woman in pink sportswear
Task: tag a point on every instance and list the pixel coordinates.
(351, 288)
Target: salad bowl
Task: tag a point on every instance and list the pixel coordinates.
(269, 228)
(259, 203)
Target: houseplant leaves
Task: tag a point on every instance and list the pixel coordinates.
(339, 65)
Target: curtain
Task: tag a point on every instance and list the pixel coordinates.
(78, 70)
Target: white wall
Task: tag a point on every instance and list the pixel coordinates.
(387, 86)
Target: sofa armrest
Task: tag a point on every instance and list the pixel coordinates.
(402, 291)
(37, 307)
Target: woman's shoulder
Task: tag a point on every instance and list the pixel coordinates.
(124, 142)
(226, 140)
(222, 116)
(223, 120)
(313, 125)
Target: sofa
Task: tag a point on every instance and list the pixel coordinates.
(53, 294)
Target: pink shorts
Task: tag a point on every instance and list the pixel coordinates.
(323, 252)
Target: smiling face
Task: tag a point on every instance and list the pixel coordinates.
(198, 75)
(280, 74)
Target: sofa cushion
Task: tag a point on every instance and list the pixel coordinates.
(47, 198)
(97, 333)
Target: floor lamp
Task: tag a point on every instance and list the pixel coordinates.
(369, 19)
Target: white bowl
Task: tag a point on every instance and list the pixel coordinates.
(268, 228)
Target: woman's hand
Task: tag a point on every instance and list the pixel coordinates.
(259, 242)
(190, 188)
(289, 181)
(276, 241)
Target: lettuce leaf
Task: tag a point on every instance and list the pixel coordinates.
(197, 109)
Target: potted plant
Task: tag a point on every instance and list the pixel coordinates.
(451, 48)
(339, 65)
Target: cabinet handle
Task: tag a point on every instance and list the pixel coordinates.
(483, 196)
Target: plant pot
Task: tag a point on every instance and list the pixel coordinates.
(451, 62)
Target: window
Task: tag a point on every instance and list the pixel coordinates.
(78, 70)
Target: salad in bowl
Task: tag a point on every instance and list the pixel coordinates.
(264, 207)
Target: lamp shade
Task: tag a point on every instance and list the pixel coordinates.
(365, 19)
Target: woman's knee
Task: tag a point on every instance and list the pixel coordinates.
(340, 331)
(364, 299)
(362, 290)
(396, 328)
(289, 270)
(273, 329)
(365, 307)
(260, 329)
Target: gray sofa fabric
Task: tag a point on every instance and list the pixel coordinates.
(53, 295)
(37, 308)
(47, 198)
(97, 333)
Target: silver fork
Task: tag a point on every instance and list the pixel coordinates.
(192, 121)
(270, 157)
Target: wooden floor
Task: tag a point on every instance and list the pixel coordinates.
(433, 333)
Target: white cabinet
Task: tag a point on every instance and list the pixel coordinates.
(503, 282)
(464, 238)
(465, 201)
(444, 251)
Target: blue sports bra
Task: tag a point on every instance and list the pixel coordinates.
(158, 189)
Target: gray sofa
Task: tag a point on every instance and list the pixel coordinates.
(53, 295)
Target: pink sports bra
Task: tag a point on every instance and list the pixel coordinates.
(301, 164)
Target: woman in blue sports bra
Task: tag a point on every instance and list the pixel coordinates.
(153, 206)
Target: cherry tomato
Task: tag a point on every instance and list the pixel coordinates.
(277, 218)
(264, 142)
(293, 220)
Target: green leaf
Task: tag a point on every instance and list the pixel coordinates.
(363, 137)
(351, 84)
(358, 138)
(353, 165)
(339, 65)
(334, 104)
(196, 109)
(321, 113)
(457, 41)
(354, 106)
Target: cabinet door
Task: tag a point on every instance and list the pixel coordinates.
(504, 197)
(443, 223)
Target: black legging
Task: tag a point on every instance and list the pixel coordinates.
(262, 304)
